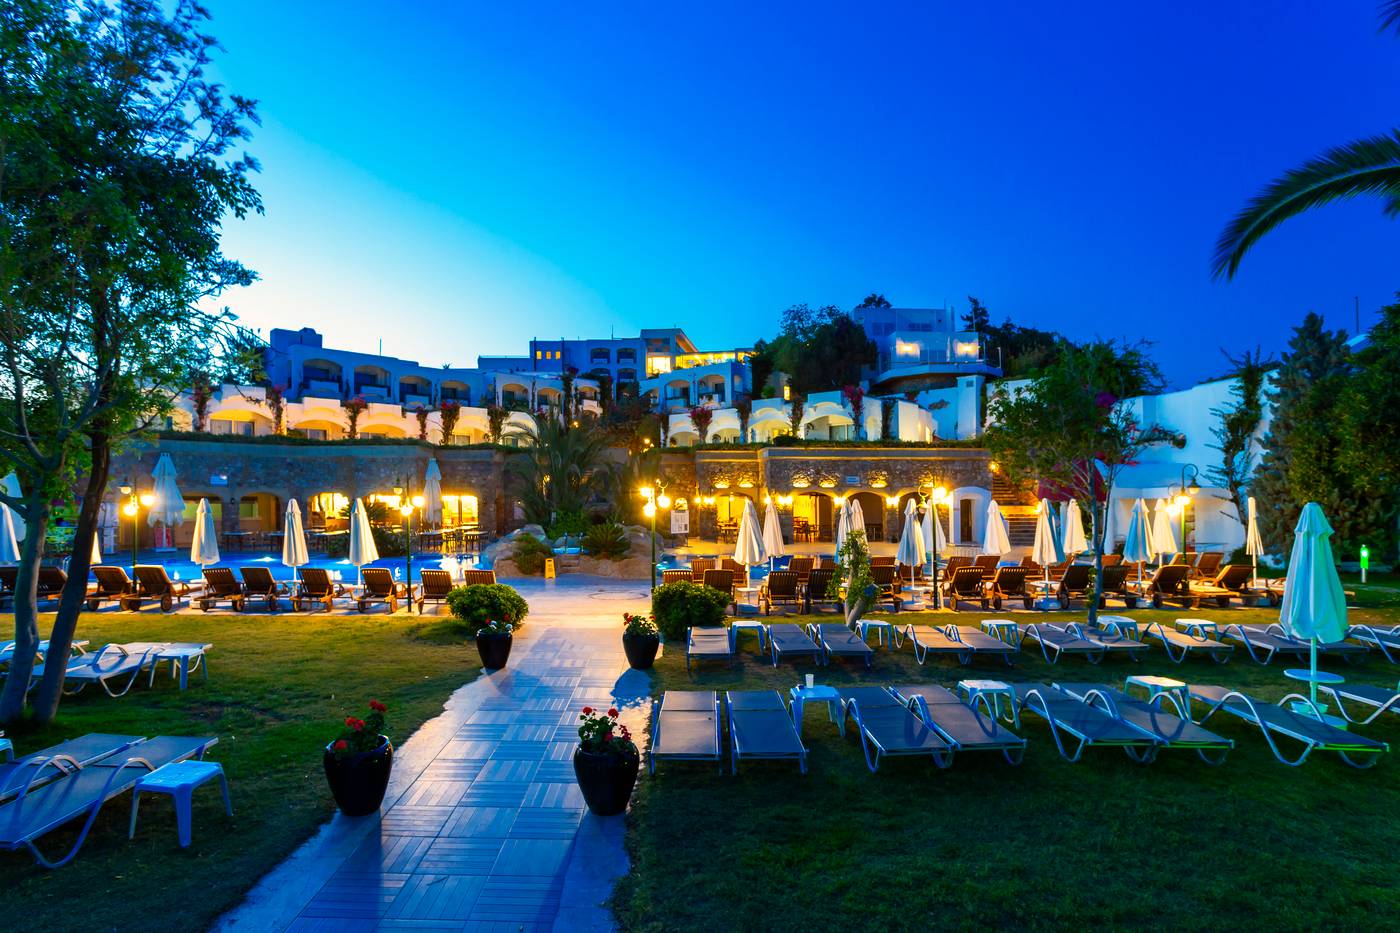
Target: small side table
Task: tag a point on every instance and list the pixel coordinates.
(1002, 630)
(991, 693)
(8, 748)
(819, 693)
(1178, 692)
(746, 596)
(1201, 628)
(183, 658)
(736, 628)
(1321, 678)
(178, 780)
(884, 631)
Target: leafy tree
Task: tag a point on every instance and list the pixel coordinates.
(761, 366)
(496, 416)
(1234, 435)
(875, 300)
(977, 317)
(852, 581)
(449, 412)
(821, 350)
(563, 470)
(116, 172)
(1025, 351)
(700, 417)
(1370, 437)
(1368, 167)
(1301, 450)
(1073, 427)
(743, 407)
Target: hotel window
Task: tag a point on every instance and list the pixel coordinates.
(539, 354)
(315, 434)
(626, 355)
(965, 515)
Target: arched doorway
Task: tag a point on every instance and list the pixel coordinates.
(812, 517)
(872, 506)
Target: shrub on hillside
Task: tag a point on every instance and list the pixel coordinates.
(682, 605)
(530, 554)
(480, 604)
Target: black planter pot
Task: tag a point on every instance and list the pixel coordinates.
(606, 780)
(641, 650)
(358, 781)
(494, 649)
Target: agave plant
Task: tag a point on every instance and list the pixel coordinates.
(563, 469)
(1363, 168)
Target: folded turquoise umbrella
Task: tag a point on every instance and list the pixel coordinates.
(1314, 606)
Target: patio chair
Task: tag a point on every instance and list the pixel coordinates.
(760, 727)
(1181, 644)
(1386, 640)
(802, 566)
(733, 566)
(675, 576)
(1277, 721)
(56, 761)
(316, 588)
(1167, 583)
(113, 586)
(814, 594)
(1207, 565)
(698, 566)
(258, 582)
(1231, 581)
(964, 728)
(220, 585)
(380, 588)
(882, 561)
(152, 582)
(988, 562)
(889, 586)
(433, 587)
(887, 727)
(685, 726)
(786, 639)
(838, 641)
(708, 644)
(1087, 726)
(1010, 583)
(951, 565)
(1056, 642)
(50, 582)
(478, 577)
(965, 585)
(1113, 560)
(1380, 699)
(1170, 730)
(1077, 582)
(1115, 583)
(722, 580)
(780, 587)
(27, 818)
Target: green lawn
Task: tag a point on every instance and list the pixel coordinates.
(279, 688)
(1104, 843)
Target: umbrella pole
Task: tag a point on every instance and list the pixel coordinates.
(1254, 572)
(1312, 680)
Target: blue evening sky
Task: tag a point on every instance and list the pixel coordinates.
(456, 178)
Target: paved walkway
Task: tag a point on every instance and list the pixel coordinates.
(484, 827)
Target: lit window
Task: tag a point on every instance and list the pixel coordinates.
(539, 355)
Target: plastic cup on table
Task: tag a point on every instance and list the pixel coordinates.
(811, 681)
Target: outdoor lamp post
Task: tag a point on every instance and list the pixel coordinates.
(936, 495)
(656, 500)
(1184, 498)
(134, 501)
(407, 505)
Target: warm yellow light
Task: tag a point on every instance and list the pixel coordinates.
(839, 500)
(646, 492)
(406, 509)
(664, 501)
(745, 484)
(417, 502)
(787, 393)
(1183, 501)
(124, 489)
(130, 509)
(892, 501)
(649, 509)
(148, 500)
(573, 424)
(940, 493)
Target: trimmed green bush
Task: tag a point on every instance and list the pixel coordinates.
(682, 605)
(609, 540)
(482, 603)
(530, 553)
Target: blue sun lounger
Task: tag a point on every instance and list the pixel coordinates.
(1278, 721)
(1170, 730)
(111, 664)
(1086, 725)
(685, 726)
(888, 727)
(1113, 637)
(54, 762)
(1387, 641)
(1271, 640)
(80, 794)
(964, 728)
(1055, 642)
(708, 644)
(1381, 699)
(786, 638)
(962, 643)
(1180, 644)
(838, 641)
(760, 727)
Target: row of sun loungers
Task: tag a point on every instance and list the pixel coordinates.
(115, 668)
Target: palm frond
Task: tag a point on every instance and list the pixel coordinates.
(1364, 167)
(1390, 16)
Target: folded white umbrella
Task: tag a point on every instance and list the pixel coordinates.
(96, 556)
(293, 539)
(1074, 541)
(9, 545)
(168, 507)
(204, 550)
(1137, 546)
(1253, 544)
(362, 548)
(843, 526)
(11, 484)
(857, 517)
(1314, 606)
(748, 546)
(911, 551)
(1164, 532)
(432, 493)
(995, 540)
(1043, 551)
(772, 532)
(934, 540)
(1110, 525)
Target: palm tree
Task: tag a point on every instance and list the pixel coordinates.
(1364, 167)
(563, 469)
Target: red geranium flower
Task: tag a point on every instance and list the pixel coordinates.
(340, 745)
(588, 711)
(612, 713)
(377, 706)
(607, 737)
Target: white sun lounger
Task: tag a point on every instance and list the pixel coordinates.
(1055, 642)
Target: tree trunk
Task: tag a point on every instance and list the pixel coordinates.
(1097, 529)
(856, 606)
(70, 604)
(36, 519)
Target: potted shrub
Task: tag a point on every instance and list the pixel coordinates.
(640, 639)
(492, 612)
(682, 605)
(605, 762)
(358, 763)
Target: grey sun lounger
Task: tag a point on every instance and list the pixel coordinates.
(962, 643)
(708, 644)
(56, 761)
(1314, 734)
(760, 726)
(81, 794)
(685, 726)
(838, 641)
(888, 727)
(1086, 725)
(786, 638)
(7, 649)
(1170, 730)
(1055, 642)
(964, 728)
(1183, 644)
(1381, 699)
(110, 664)
(1271, 640)
(1112, 637)
(1386, 640)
